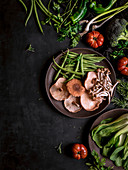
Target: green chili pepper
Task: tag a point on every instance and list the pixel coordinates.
(80, 13)
(99, 9)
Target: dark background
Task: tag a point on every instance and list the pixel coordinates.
(30, 127)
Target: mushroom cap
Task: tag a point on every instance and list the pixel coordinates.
(88, 103)
(58, 90)
(72, 104)
(75, 87)
(89, 81)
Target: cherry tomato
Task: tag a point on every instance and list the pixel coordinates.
(94, 39)
(79, 151)
(122, 66)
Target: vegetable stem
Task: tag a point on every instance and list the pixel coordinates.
(30, 13)
(49, 14)
(36, 14)
(25, 7)
(61, 66)
(78, 73)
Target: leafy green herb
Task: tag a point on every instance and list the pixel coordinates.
(30, 48)
(120, 50)
(59, 18)
(56, 7)
(95, 163)
(59, 148)
(122, 90)
(71, 32)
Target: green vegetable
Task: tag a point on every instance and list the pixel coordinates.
(64, 17)
(120, 50)
(30, 48)
(112, 138)
(103, 17)
(74, 65)
(116, 31)
(59, 148)
(25, 7)
(99, 9)
(80, 13)
(122, 90)
(95, 163)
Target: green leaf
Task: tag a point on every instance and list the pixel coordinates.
(116, 153)
(59, 148)
(118, 161)
(30, 48)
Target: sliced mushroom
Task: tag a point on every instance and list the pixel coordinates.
(90, 80)
(72, 104)
(75, 87)
(89, 104)
(58, 90)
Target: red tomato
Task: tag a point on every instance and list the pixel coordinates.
(79, 151)
(94, 39)
(122, 66)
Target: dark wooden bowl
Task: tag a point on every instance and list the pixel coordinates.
(115, 113)
(59, 105)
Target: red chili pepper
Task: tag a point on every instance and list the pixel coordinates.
(122, 66)
(79, 151)
(95, 39)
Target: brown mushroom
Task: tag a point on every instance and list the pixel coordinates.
(88, 103)
(75, 87)
(90, 80)
(58, 90)
(72, 104)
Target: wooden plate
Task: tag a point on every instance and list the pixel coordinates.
(115, 113)
(59, 105)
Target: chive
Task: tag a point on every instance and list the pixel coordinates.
(30, 13)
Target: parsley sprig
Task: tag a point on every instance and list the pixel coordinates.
(95, 163)
(120, 50)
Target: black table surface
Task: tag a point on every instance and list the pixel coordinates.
(30, 127)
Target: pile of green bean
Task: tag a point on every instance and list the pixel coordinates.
(76, 65)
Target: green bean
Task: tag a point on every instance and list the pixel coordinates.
(77, 77)
(49, 5)
(87, 70)
(37, 18)
(61, 66)
(98, 58)
(82, 70)
(60, 72)
(77, 67)
(30, 13)
(25, 7)
(78, 73)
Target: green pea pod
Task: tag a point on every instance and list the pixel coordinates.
(99, 9)
(80, 13)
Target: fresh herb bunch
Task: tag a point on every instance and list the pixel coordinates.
(71, 32)
(122, 90)
(120, 50)
(63, 15)
(95, 163)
